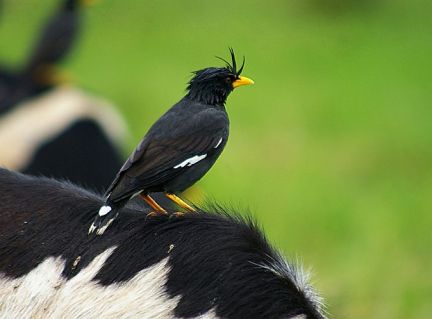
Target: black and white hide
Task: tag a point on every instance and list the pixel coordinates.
(64, 133)
(199, 265)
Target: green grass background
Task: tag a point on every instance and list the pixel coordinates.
(331, 149)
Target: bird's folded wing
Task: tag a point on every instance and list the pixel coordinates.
(159, 159)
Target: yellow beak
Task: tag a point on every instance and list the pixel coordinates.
(242, 80)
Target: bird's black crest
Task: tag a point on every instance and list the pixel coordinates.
(209, 86)
(232, 67)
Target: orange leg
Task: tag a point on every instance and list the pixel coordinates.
(180, 202)
(155, 206)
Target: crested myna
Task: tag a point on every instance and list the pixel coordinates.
(179, 148)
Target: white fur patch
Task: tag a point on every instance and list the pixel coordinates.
(218, 143)
(191, 161)
(211, 314)
(104, 210)
(39, 286)
(31, 123)
(44, 293)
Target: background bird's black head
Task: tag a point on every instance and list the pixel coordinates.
(73, 4)
(213, 85)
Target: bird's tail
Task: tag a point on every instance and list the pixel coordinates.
(106, 215)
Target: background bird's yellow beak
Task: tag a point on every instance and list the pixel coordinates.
(242, 80)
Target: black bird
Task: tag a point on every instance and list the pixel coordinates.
(38, 73)
(56, 39)
(180, 147)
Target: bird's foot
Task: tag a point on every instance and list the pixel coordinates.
(180, 202)
(178, 214)
(153, 204)
(157, 213)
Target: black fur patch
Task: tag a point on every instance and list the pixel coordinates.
(16, 88)
(216, 259)
(82, 153)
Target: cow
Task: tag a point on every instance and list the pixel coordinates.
(209, 264)
(64, 133)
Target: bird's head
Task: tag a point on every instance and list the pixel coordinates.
(71, 4)
(213, 85)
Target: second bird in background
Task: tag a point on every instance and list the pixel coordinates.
(179, 148)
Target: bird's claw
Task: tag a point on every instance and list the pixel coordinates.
(178, 214)
(156, 214)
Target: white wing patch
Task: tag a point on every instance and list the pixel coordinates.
(191, 161)
(218, 143)
(104, 210)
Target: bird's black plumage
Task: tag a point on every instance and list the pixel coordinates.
(181, 146)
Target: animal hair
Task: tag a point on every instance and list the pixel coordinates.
(216, 262)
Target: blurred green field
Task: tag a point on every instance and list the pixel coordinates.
(331, 149)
